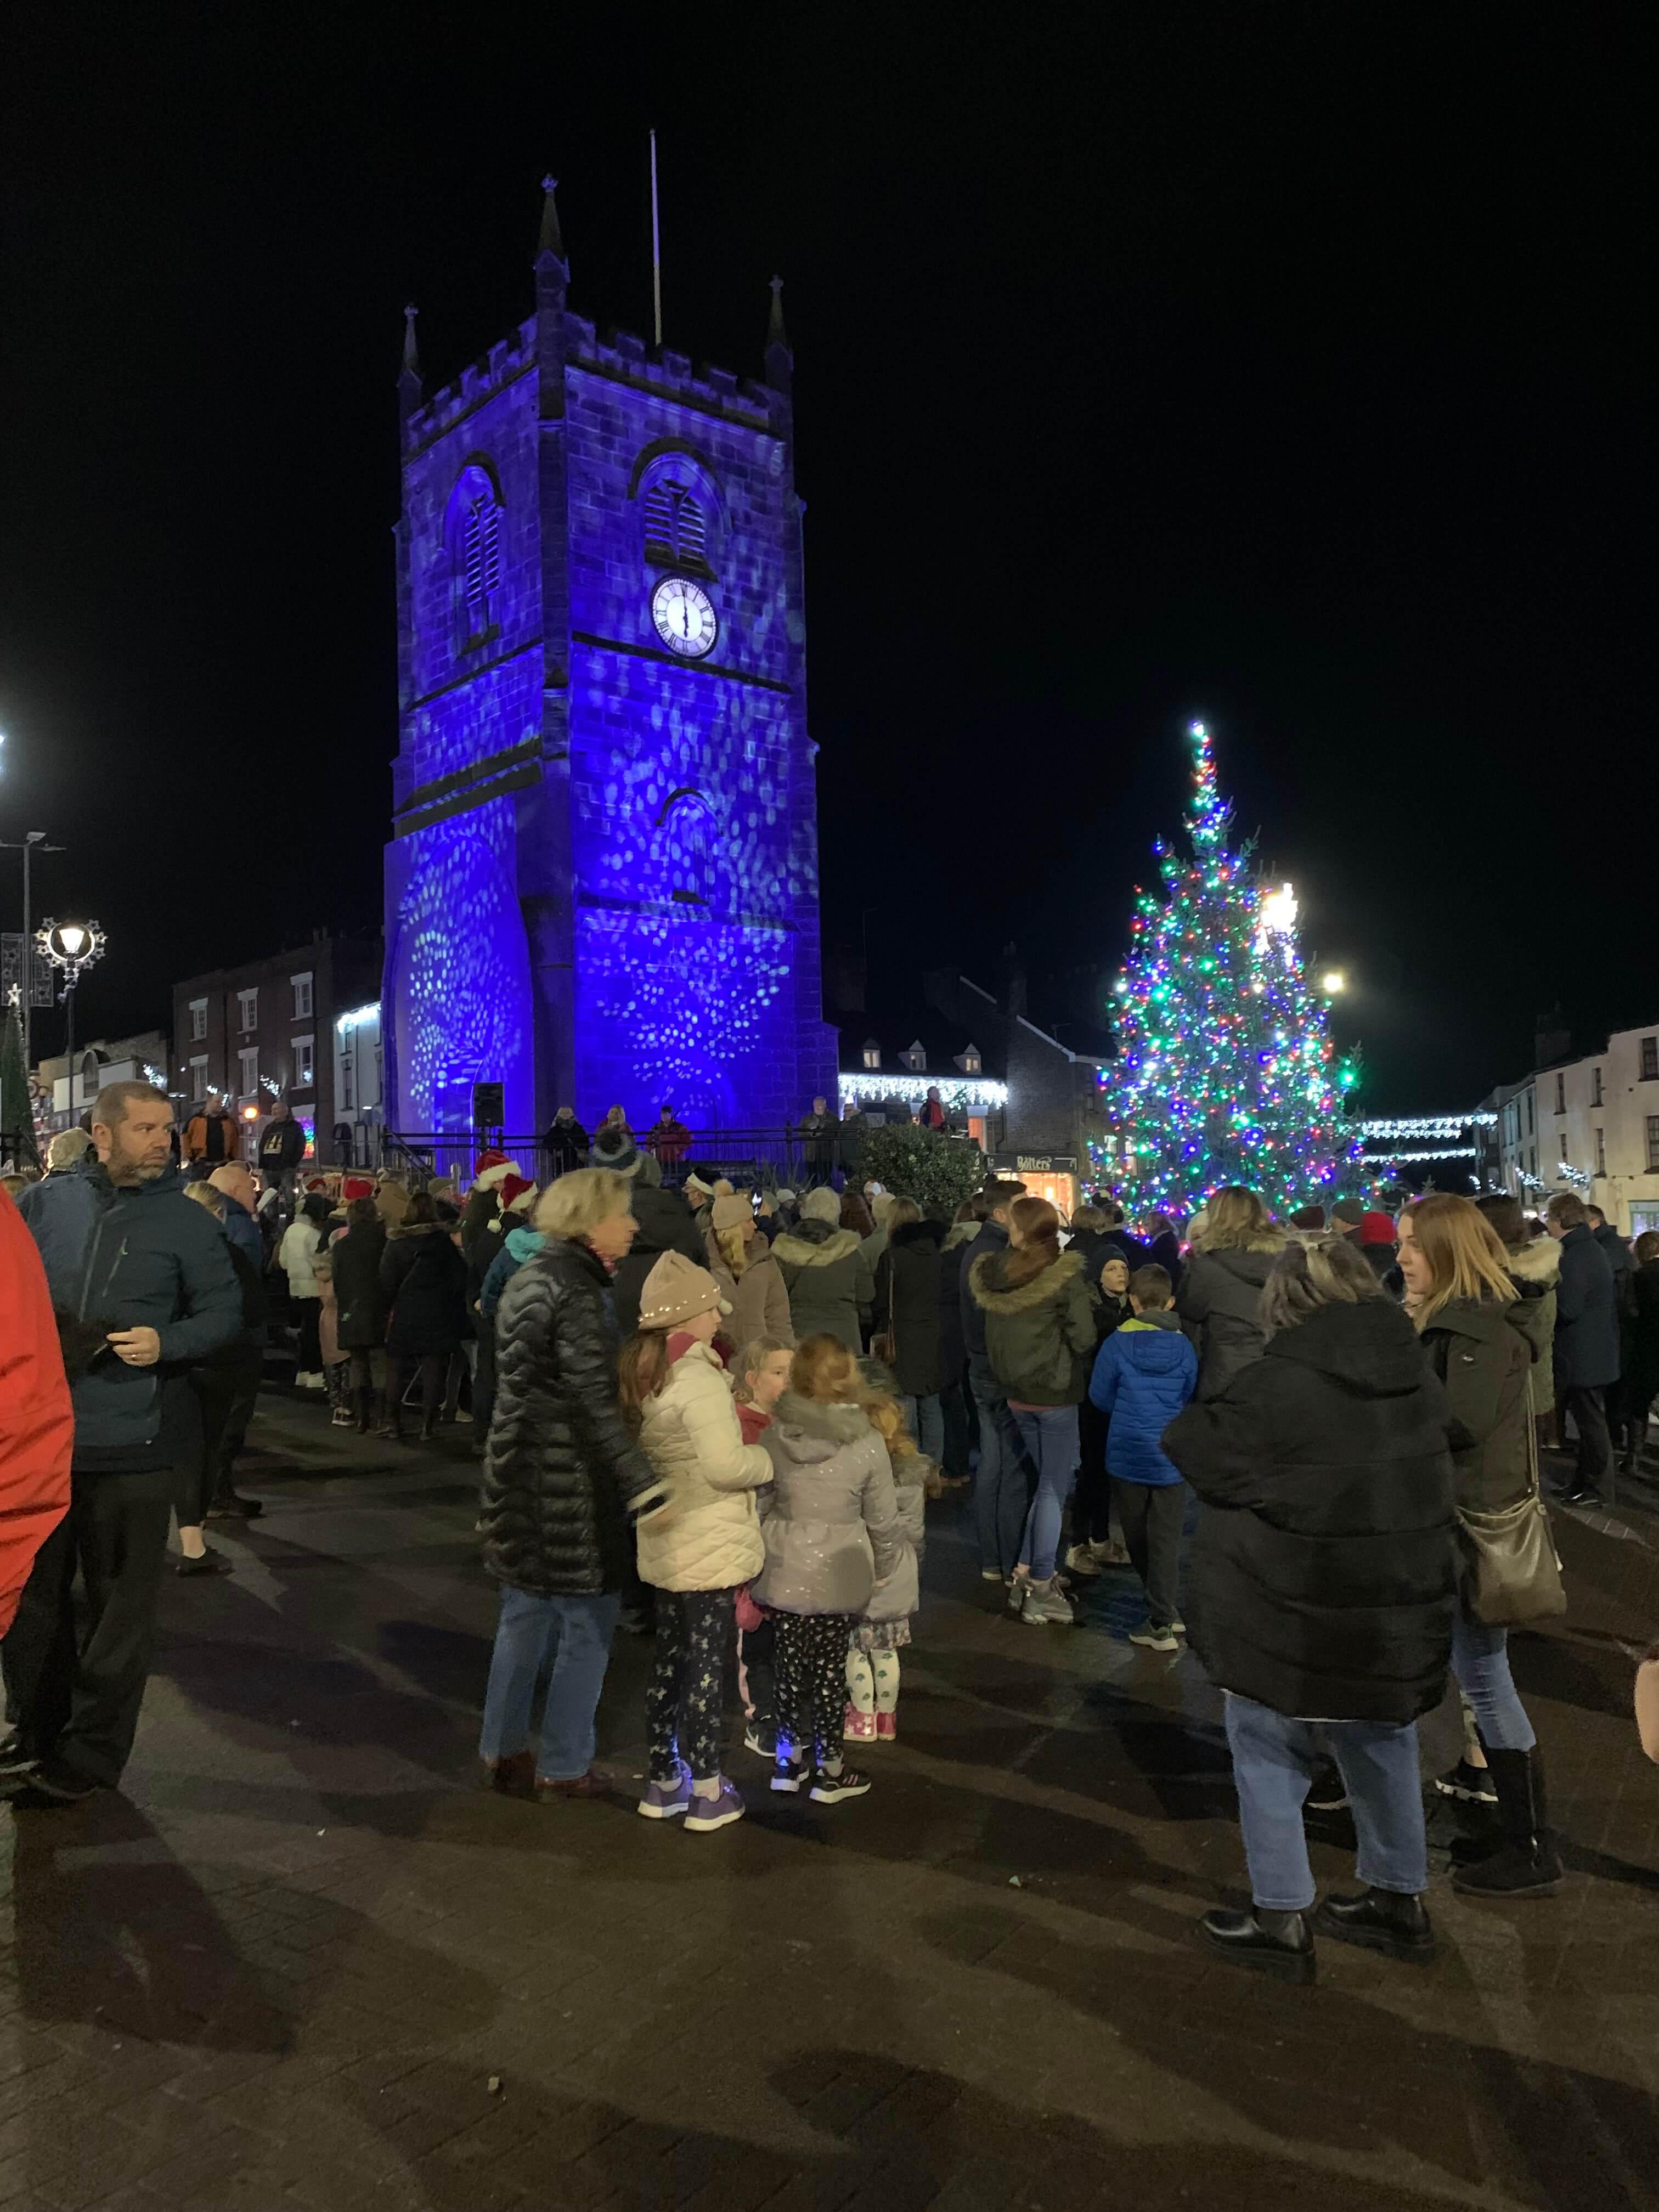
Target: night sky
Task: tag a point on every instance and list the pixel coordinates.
(1287, 367)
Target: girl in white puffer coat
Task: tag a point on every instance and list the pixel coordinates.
(703, 1546)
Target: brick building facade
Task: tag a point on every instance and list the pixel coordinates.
(282, 1026)
(601, 885)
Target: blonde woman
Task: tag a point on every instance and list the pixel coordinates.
(751, 1282)
(1221, 1288)
(562, 1481)
(1040, 1340)
(1467, 1309)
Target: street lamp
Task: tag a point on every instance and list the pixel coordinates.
(72, 947)
(1332, 981)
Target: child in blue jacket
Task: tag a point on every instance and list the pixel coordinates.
(1144, 1373)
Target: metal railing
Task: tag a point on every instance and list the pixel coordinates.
(766, 1158)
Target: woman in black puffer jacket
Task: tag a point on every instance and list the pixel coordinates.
(562, 1481)
(1326, 1572)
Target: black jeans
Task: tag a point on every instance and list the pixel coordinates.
(1091, 1501)
(83, 1704)
(230, 1390)
(1151, 1514)
(308, 1316)
(483, 1380)
(1588, 1409)
(685, 1701)
(953, 1406)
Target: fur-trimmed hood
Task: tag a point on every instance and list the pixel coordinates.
(403, 1229)
(1537, 1262)
(960, 1233)
(812, 1417)
(985, 1280)
(814, 1244)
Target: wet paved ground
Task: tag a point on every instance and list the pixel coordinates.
(285, 1967)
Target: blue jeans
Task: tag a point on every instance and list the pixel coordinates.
(1050, 1436)
(570, 1635)
(1273, 1758)
(1000, 1492)
(925, 1418)
(1481, 1665)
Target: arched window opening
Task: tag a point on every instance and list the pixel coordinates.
(685, 844)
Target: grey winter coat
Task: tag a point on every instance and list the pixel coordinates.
(829, 1282)
(1219, 1295)
(897, 1599)
(831, 1522)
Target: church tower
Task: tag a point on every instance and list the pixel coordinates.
(602, 885)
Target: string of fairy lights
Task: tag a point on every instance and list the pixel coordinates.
(1225, 1071)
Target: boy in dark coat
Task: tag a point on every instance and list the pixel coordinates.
(1326, 1586)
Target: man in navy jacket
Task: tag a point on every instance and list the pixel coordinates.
(1586, 1342)
(142, 1286)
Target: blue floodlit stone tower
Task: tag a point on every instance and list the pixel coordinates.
(602, 885)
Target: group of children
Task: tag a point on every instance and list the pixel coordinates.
(797, 1503)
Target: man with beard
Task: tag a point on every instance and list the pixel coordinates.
(142, 1287)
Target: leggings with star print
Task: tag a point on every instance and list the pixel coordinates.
(685, 1703)
(811, 1668)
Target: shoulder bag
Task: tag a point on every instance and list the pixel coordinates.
(1511, 1571)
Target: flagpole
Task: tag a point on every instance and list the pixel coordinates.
(656, 249)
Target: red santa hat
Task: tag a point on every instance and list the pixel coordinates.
(492, 1169)
(356, 1186)
(517, 1197)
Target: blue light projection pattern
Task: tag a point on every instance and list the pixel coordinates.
(638, 920)
(458, 965)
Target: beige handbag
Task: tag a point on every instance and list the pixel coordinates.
(1511, 1571)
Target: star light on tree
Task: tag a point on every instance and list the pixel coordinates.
(1225, 1072)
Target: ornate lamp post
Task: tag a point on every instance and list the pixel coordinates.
(71, 946)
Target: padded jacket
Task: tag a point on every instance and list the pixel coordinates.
(1326, 1566)
(708, 1536)
(1040, 1334)
(1482, 1354)
(828, 1281)
(830, 1524)
(140, 1256)
(1219, 1295)
(1144, 1375)
(561, 1475)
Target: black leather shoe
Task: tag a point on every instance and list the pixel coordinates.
(1379, 1920)
(1585, 1496)
(1283, 1947)
(15, 1757)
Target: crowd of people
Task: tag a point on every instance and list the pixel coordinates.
(718, 1415)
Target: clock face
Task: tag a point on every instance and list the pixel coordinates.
(684, 617)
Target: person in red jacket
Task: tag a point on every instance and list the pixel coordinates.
(37, 1428)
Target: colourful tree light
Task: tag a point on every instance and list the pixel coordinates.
(1225, 1072)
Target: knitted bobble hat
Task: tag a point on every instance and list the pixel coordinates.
(732, 1213)
(678, 1291)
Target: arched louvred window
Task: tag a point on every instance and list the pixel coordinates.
(676, 526)
(473, 535)
(482, 553)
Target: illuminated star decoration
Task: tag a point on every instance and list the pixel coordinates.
(1225, 1072)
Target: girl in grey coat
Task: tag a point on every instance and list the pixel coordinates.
(830, 1527)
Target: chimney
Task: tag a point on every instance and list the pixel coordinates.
(1012, 977)
(1552, 1039)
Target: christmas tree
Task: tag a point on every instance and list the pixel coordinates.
(1225, 1072)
